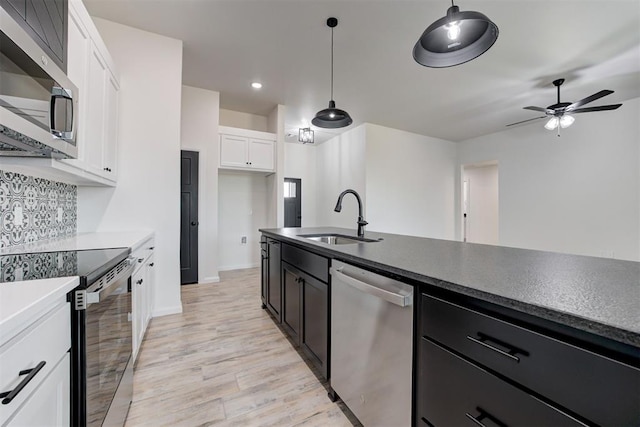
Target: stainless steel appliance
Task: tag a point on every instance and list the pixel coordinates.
(38, 103)
(101, 327)
(371, 345)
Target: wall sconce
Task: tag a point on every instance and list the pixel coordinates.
(305, 135)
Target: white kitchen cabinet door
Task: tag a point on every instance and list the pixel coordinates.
(110, 148)
(261, 154)
(50, 403)
(139, 302)
(150, 289)
(93, 135)
(234, 151)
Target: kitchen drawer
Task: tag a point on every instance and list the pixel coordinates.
(311, 263)
(47, 340)
(143, 252)
(452, 390)
(597, 388)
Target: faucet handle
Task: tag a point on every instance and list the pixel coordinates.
(362, 222)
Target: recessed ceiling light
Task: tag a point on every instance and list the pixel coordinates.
(256, 85)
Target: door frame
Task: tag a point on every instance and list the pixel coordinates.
(298, 182)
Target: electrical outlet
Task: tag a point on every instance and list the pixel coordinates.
(243, 240)
(59, 214)
(17, 215)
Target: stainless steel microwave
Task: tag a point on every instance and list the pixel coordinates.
(38, 102)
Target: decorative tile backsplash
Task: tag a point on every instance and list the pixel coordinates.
(35, 209)
(38, 266)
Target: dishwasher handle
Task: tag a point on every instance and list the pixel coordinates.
(392, 297)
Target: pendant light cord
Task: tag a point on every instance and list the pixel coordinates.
(331, 63)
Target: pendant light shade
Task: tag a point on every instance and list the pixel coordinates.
(455, 39)
(332, 117)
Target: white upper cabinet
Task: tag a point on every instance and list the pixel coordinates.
(92, 70)
(247, 149)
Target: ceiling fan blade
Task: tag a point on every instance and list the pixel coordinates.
(542, 110)
(528, 120)
(600, 108)
(588, 99)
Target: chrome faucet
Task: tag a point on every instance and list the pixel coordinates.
(361, 221)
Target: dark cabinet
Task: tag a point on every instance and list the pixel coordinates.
(264, 270)
(468, 360)
(292, 282)
(316, 322)
(46, 22)
(274, 286)
(305, 314)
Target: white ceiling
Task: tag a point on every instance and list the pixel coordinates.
(285, 44)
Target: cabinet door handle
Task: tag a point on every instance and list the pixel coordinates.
(10, 395)
(139, 282)
(484, 414)
(482, 338)
(140, 260)
(151, 265)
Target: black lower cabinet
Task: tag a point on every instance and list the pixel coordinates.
(274, 286)
(455, 392)
(292, 295)
(305, 307)
(264, 271)
(316, 322)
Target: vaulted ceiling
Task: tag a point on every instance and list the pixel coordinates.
(285, 44)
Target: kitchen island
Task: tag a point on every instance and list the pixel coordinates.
(564, 322)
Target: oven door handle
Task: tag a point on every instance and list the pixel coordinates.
(102, 293)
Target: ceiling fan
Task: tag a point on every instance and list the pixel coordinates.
(561, 114)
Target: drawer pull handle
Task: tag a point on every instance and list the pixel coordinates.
(482, 341)
(10, 395)
(484, 414)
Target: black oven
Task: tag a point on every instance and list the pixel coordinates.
(102, 380)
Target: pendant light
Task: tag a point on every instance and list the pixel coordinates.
(332, 117)
(455, 39)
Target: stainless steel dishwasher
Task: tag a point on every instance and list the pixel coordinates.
(371, 345)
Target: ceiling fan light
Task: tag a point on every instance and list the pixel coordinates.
(566, 121)
(552, 123)
(455, 39)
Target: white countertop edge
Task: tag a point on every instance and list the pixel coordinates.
(22, 303)
(83, 241)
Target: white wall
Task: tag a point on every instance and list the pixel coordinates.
(242, 120)
(199, 132)
(482, 214)
(148, 191)
(410, 183)
(242, 201)
(341, 165)
(300, 162)
(578, 193)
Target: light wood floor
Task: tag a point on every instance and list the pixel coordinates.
(224, 362)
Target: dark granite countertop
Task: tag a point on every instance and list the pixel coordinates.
(596, 295)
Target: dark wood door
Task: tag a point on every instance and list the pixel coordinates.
(188, 217)
(274, 293)
(315, 322)
(293, 202)
(292, 301)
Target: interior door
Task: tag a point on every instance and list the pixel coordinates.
(292, 202)
(188, 217)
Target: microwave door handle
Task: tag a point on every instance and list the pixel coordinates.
(59, 93)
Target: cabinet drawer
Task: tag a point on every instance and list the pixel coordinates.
(602, 390)
(47, 340)
(452, 391)
(311, 263)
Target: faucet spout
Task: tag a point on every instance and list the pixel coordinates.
(361, 221)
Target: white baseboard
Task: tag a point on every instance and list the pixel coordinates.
(238, 267)
(167, 311)
(212, 279)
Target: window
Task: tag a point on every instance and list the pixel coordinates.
(289, 189)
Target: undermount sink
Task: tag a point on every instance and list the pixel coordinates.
(337, 239)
